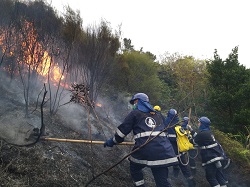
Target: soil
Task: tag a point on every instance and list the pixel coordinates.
(66, 164)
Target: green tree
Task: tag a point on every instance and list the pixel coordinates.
(191, 80)
(137, 72)
(127, 45)
(186, 77)
(229, 83)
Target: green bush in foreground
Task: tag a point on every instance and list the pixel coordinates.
(234, 150)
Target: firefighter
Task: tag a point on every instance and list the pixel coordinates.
(171, 120)
(212, 154)
(157, 154)
(192, 152)
(158, 109)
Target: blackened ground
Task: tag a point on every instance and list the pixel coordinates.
(73, 164)
(64, 164)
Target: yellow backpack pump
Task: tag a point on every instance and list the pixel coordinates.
(182, 140)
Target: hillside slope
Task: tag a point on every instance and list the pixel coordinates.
(64, 164)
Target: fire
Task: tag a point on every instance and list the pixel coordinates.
(33, 55)
(57, 73)
(46, 66)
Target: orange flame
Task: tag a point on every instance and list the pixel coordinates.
(37, 59)
(46, 66)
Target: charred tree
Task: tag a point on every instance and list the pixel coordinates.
(96, 55)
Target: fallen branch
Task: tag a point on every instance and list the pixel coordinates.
(82, 141)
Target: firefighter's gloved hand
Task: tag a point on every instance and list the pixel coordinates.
(110, 142)
(189, 128)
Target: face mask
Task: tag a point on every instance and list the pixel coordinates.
(134, 106)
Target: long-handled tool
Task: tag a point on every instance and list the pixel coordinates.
(82, 141)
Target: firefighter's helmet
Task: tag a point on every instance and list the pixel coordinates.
(204, 120)
(158, 108)
(172, 113)
(141, 96)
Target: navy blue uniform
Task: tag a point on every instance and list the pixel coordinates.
(157, 154)
(212, 155)
(182, 157)
(193, 153)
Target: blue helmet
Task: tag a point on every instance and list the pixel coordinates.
(171, 113)
(141, 96)
(205, 121)
(185, 119)
(185, 122)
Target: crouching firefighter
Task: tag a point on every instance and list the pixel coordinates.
(212, 154)
(157, 154)
(171, 121)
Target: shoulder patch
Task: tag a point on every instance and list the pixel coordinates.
(150, 122)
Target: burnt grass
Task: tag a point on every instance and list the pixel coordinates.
(66, 164)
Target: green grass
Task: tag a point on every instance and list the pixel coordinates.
(234, 150)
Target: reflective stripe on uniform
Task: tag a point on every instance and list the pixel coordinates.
(149, 133)
(139, 183)
(195, 133)
(217, 185)
(228, 163)
(223, 186)
(119, 133)
(171, 135)
(212, 160)
(155, 162)
(209, 146)
(114, 140)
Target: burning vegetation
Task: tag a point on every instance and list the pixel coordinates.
(40, 48)
(39, 51)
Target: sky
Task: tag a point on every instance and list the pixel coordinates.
(188, 27)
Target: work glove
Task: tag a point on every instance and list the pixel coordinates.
(189, 128)
(110, 142)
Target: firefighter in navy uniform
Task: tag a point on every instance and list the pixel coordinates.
(212, 154)
(171, 120)
(157, 108)
(157, 154)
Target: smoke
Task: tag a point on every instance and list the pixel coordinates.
(14, 127)
(100, 122)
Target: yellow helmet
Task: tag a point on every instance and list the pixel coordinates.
(158, 108)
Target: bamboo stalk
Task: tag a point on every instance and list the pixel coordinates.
(82, 141)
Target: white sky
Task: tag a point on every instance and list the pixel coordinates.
(189, 27)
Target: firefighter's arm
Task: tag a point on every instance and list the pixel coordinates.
(190, 128)
(193, 134)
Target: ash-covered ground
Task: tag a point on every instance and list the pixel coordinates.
(65, 164)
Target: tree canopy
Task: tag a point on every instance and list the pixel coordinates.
(228, 83)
